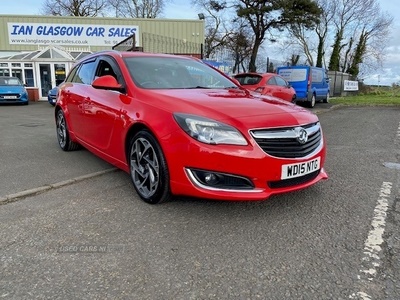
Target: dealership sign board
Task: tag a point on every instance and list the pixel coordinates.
(350, 85)
(69, 34)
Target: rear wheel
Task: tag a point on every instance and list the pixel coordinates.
(148, 168)
(311, 103)
(63, 138)
(326, 100)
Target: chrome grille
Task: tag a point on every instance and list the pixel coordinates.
(283, 142)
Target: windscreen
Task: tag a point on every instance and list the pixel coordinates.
(174, 73)
(9, 81)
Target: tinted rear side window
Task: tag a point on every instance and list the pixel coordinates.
(271, 81)
(293, 75)
(248, 79)
(280, 81)
(317, 75)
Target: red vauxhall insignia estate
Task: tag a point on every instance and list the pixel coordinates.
(180, 127)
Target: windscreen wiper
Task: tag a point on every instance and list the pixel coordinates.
(197, 87)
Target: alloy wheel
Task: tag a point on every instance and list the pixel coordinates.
(145, 170)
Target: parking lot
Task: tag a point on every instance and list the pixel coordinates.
(72, 226)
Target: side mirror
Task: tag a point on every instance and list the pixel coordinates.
(107, 82)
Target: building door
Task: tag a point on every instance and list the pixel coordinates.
(51, 75)
(45, 79)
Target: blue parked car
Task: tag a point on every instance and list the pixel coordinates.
(52, 96)
(12, 90)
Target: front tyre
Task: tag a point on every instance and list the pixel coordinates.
(148, 168)
(63, 138)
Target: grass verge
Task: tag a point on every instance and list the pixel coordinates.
(377, 97)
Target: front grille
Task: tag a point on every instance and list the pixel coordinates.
(293, 181)
(283, 142)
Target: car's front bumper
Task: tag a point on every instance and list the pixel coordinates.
(52, 99)
(249, 162)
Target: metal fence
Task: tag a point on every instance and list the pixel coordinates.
(336, 80)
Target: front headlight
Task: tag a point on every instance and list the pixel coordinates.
(209, 131)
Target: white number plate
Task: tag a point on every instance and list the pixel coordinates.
(10, 97)
(300, 169)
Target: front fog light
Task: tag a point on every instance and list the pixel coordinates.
(211, 178)
(217, 180)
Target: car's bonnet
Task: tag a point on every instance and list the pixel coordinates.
(11, 89)
(222, 104)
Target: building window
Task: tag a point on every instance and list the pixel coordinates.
(28, 65)
(4, 65)
(29, 80)
(4, 72)
(16, 65)
(17, 73)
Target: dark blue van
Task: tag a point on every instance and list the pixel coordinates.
(310, 83)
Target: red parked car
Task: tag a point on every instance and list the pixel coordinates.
(267, 84)
(180, 127)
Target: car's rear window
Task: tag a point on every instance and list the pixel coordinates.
(248, 79)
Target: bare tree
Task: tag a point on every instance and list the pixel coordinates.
(217, 26)
(148, 9)
(303, 42)
(371, 41)
(312, 43)
(359, 32)
(79, 8)
(322, 28)
(240, 45)
(347, 17)
(360, 29)
(264, 16)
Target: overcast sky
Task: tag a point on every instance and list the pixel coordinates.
(181, 9)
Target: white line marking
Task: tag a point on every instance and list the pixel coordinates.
(361, 296)
(372, 245)
(398, 132)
